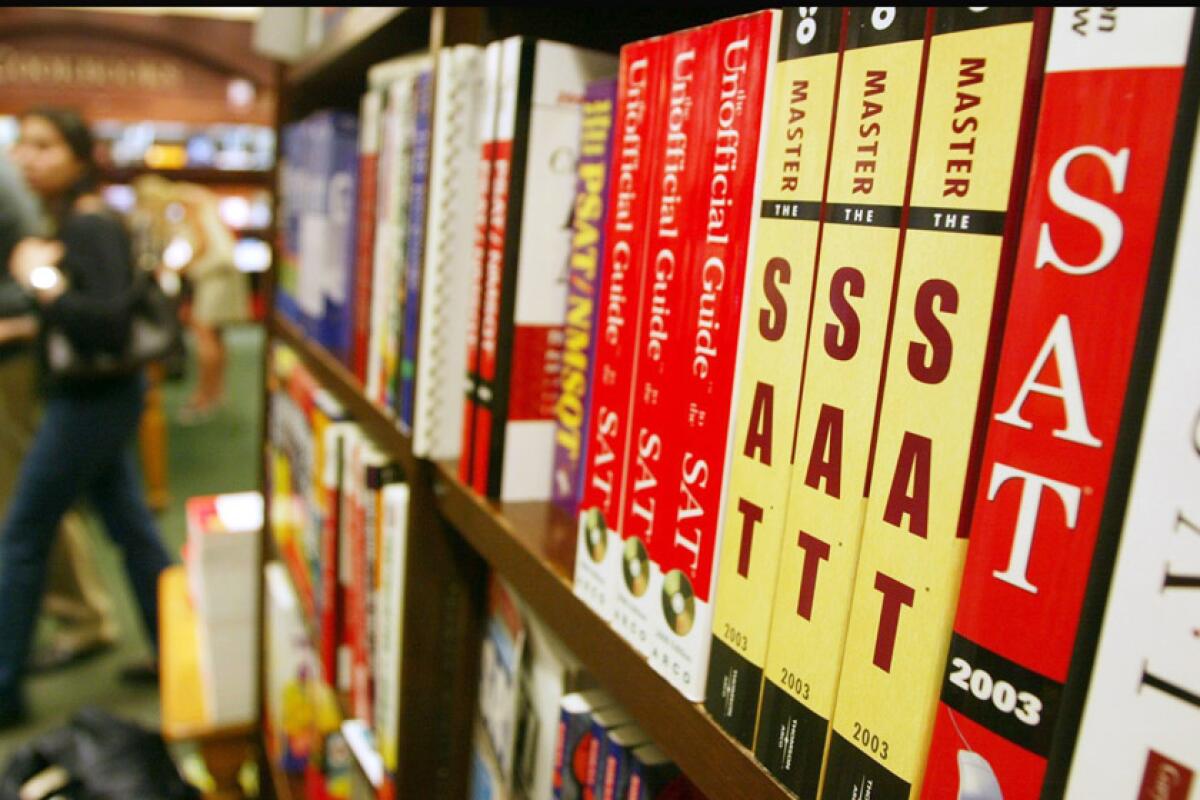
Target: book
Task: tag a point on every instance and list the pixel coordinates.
(538, 123)
(853, 292)
(573, 739)
(395, 78)
(370, 109)
(501, 659)
(336, 329)
(785, 240)
(1050, 483)
(492, 69)
(956, 267)
(653, 776)
(612, 782)
(390, 628)
(584, 277)
(333, 475)
(291, 188)
(549, 672)
(1140, 722)
(290, 665)
(414, 254)
(604, 720)
(598, 540)
(697, 432)
(676, 148)
(446, 285)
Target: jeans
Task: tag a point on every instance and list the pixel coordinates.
(81, 451)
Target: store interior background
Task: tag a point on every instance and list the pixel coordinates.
(181, 93)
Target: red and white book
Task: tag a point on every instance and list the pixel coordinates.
(1140, 724)
(538, 125)
(696, 426)
(677, 147)
(639, 103)
(1046, 481)
(370, 112)
(492, 67)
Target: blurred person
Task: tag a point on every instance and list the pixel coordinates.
(197, 242)
(75, 596)
(80, 280)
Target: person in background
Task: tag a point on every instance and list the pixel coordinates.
(80, 281)
(76, 597)
(197, 243)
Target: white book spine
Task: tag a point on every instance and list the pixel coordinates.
(1141, 722)
(446, 287)
(391, 622)
(560, 77)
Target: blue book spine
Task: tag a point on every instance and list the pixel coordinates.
(291, 181)
(414, 256)
(343, 215)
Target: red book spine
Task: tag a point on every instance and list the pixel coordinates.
(331, 612)
(466, 463)
(1092, 209)
(489, 318)
(634, 161)
(709, 349)
(364, 264)
(515, 61)
(674, 214)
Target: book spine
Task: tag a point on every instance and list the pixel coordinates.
(852, 296)
(288, 233)
(441, 360)
(1144, 683)
(398, 291)
(395, 549)
(678, 144)
(1047, 479)
(341, 674)
(574, 728)
(362, 692)
(493, 66)
(331, 607)
(785, 241)
(639, 101)
(368, 185)
(531, 296)
(337, 322)
(950, 299)
(712, 345)
(584, 278)
(415, 249)
(516, 62)
(387, 188)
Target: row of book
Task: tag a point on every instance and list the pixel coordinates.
(540, 733)
(909, 351)
(339, 516)
(302, 720)
(378, 266)
(827, 354)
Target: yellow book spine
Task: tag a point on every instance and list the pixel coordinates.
(913, 539)
(869, 173)
(775, 332)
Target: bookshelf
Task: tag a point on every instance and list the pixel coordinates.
(454, 534)
(532, 545)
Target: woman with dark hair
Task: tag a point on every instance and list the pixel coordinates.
(81, 282)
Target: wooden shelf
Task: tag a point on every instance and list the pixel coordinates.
(533, 546)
